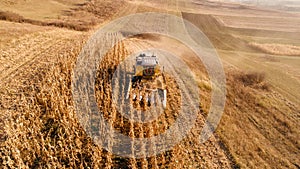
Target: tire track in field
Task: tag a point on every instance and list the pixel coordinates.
(40, 50)
(13, 57)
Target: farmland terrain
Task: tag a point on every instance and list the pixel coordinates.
(41, 40)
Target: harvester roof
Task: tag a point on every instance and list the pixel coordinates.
(144, 60)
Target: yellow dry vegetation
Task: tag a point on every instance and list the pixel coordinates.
(38, 123)
(39, 9)
(76, 15)
(262, 85)
(278, 49)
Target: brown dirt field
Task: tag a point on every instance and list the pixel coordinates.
(38, 123)
(277, 49)
(78, 15)
(263, 22)
(254, 114)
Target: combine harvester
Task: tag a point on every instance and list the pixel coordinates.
(148, 82)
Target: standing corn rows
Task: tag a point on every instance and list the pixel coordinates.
(133, 129)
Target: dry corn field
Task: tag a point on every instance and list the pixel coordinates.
(36, 95)
(39, 123)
